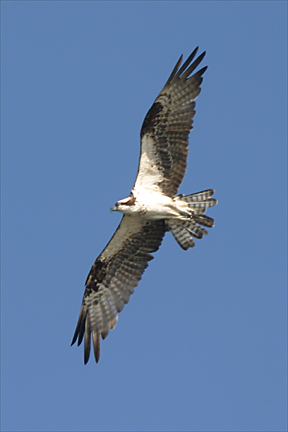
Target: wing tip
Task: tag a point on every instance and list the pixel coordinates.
(80, 328)
(96, 345)
(175, 69)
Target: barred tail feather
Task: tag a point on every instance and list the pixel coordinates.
(181, 234)
(184, 230)
(200, 201)
(204, 220)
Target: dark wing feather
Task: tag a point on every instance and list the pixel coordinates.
(113, 277)
(166, 128)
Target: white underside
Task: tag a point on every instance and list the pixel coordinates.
(154, 205)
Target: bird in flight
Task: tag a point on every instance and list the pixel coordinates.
(151, 209)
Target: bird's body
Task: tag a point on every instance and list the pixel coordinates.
(151, 209)
(150, 205)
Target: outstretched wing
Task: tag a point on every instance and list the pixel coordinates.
(165, 130)
(113, 277)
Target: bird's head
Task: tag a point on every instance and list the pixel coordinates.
(124, 205)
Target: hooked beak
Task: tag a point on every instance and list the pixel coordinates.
(114, 208)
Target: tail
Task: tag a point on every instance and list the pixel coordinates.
(184, 230)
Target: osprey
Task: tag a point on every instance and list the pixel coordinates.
(151, 209)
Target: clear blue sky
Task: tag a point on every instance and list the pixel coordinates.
(202, 344)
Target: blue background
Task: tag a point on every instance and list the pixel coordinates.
(202, 343)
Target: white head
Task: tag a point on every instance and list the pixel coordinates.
(125, 205)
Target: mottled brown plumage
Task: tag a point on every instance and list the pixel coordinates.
(113, 277)
(168, 124)
(151, 208)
